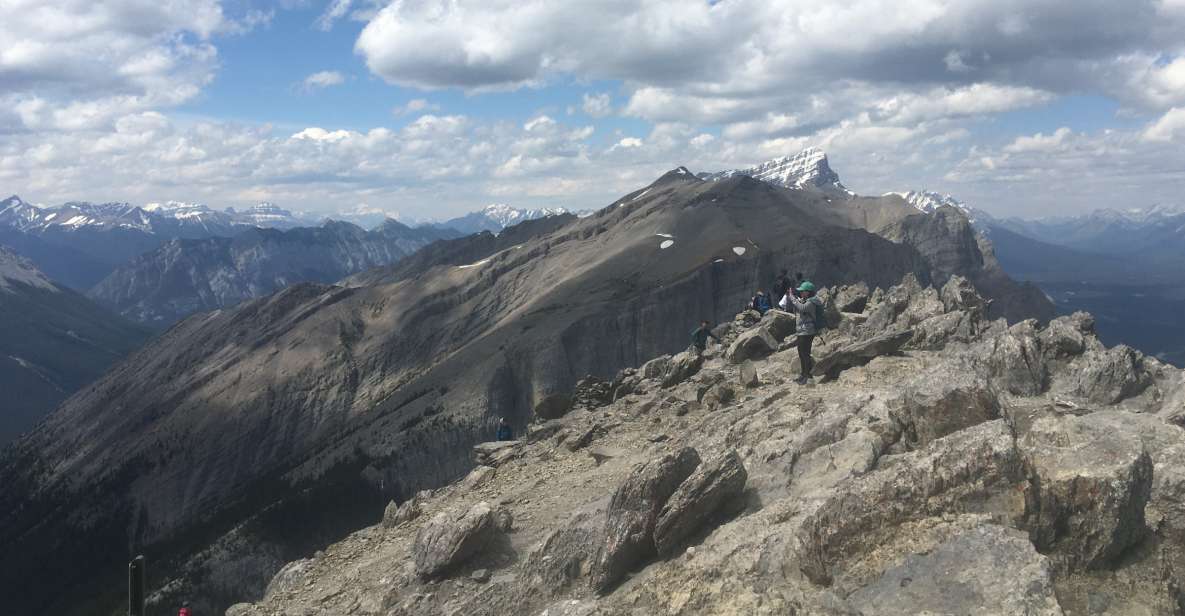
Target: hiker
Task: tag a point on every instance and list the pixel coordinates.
(699, 337)
(782, 286)
(808, 311)
(760, 302)
(505, 432)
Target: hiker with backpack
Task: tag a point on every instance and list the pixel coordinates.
(505, 432)
(760, 302)
(809, 321)
(699, 337)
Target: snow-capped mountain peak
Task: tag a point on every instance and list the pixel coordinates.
(806, 169)
(928, 201)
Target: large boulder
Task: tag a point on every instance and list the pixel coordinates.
(396, 515)
(1015, 360)
(1110, 376)
(591, 392)
(748, 374)
(718, 396)
(655, 368)
(860, 353)
(453, 536)
(495, 453)
(553, 406)
(942, 403)
(1067, 336)
(989, 569)
(1089, 484)
(681, 367)
(755, 343)
(779, 324)
(964, 470)
(633, 512)
(562, 557)
(715, 486)
(959, 294)
(852, 298)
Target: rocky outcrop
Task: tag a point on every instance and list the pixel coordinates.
(715, 486)
(633, 512)
(989, 569)
(681, 367)
(1087, 491)
(860, 353)
(452, 536)
(779, 324)
(553, 406)
(755, 343)
(495, 453)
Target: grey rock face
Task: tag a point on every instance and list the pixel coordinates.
(986, 570)
(716, 485)
(860, 353)
(633, 513)
(564, 556)
(655, 368)
(1089, 486)
(451, 537)
(933, 408)
(1067, 336)
(1015, 361)
(1107, 377)
(779, 324)
(951, 473)
(680, 368)
(748, 375)
(852, 298)
(755, 343)
(553, 406)
(959, 294)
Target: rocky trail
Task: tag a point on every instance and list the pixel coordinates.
(942, 463)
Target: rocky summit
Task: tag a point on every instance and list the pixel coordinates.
(942, 463)
(248, 437)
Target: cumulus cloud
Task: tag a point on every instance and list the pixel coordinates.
(321, 80)
(1167, 127)
(415, 105)
(597, 105)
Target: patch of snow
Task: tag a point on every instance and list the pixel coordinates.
(666, 244)
(640, 195)
(482, 262)
(666, 235)
(719, 261)
(740, 250)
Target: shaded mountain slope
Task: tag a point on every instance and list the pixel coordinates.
(53, 342)
(223, 445)
(186, 276)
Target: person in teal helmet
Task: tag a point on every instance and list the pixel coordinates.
(806, 308)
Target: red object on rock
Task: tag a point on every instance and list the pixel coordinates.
(184, 612)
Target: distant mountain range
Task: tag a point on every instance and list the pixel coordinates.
(53, 341)
(496, 217)
(182, 276)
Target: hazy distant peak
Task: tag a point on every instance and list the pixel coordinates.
(16, 269)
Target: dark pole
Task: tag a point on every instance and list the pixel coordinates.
(136, 587)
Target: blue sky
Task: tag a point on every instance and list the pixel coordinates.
(430, 108)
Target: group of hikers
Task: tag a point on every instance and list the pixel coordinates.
(796, 295)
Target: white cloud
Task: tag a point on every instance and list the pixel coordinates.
(415, 105)
(597, 105)
(1040, 142)
(629, 142)
(1167, 127)
(323, 79)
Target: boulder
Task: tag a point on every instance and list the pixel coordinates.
(960, 471)
(852, 298)
(1110, 376)
(935, 332)
(478, 477)
(779, 324)
(1067, 336)
(396, 515)
(553, 406)
(633, 512)
(718, 396)
(1015, 362)
(988, 569)
(562, 557)
(860, 353)
(755, 343)
(591, 392)
(495, 453)
(943, 403)
(748, 374)
(746, 319)
(1089, 484)
(655, 368)
(681, 367)
(451, 537)
(585, 438)
(714, 487)
(959, 294)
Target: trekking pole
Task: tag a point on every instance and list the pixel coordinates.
(136, 586)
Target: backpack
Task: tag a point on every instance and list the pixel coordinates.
(821, 317)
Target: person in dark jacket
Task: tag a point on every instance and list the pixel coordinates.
(760, 303)
(782, 286)
(699, 337)
(505, 432)
(806, 308)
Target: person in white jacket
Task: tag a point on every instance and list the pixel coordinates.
(806, 308)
